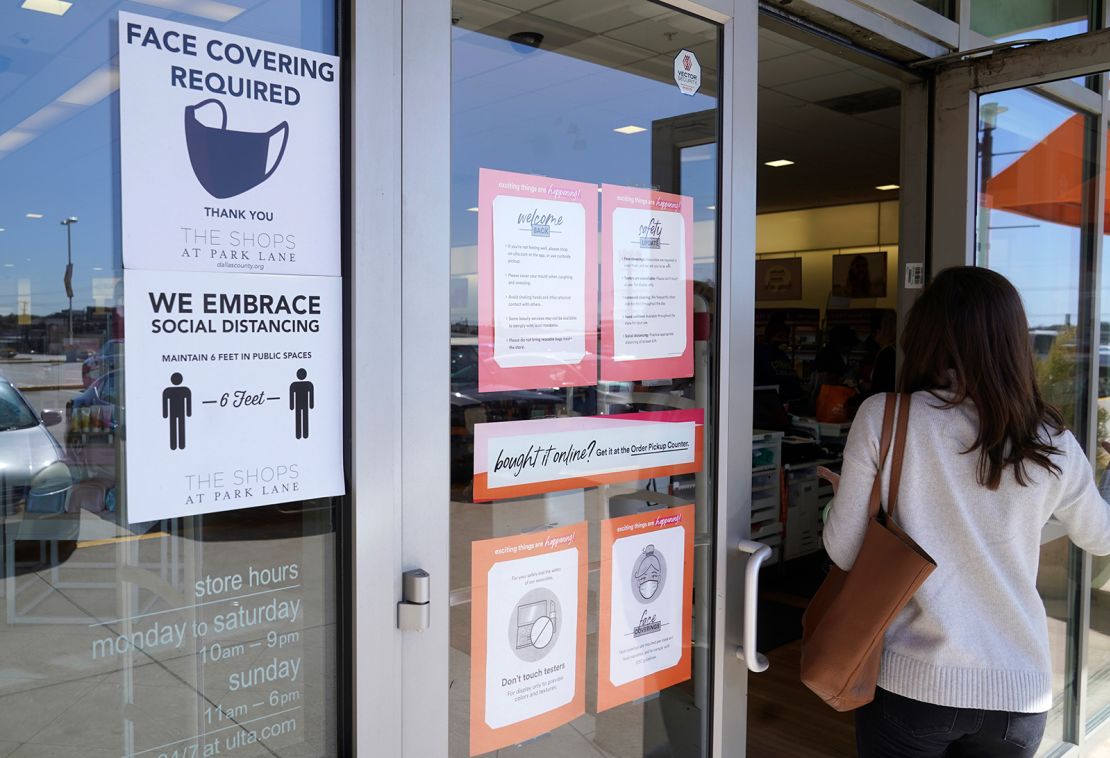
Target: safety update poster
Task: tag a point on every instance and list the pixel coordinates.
(234, 387)
(528, 635)
(644, 633)
(537, 282)
(229, 152)
(647, 284)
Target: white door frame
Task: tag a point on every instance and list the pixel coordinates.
(401, 66)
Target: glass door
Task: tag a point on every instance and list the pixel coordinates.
(1034, 204)
(584, 369)
(1041, 248)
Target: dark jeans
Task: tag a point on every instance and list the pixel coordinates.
(892, 726)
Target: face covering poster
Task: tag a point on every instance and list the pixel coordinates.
(229, 151)
(647, 584)
(537, 282)
(528, 635)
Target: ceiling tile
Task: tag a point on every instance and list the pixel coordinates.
(794, 68)
(600, 17)
(772, 48)
(831, 85)
(664, 34)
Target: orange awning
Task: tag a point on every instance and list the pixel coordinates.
(1046, 182)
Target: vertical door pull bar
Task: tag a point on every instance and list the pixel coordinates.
(757, 553)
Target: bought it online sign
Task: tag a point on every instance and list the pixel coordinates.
(229, 150)
(527, 458)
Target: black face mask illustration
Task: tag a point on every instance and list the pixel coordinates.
(226, 162)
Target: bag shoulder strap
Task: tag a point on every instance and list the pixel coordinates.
(884, 447)
(899, 450)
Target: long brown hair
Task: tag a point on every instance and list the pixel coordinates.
(967, 334)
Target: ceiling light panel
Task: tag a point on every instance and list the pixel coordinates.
(630, 129)
(52, 7)
(212, 9)
(93, 88)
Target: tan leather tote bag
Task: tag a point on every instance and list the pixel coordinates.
(843, 627)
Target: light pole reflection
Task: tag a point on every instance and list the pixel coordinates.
(68, 224)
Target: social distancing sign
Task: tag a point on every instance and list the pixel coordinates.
(233, 392)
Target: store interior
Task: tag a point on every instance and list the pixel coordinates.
(826, 324)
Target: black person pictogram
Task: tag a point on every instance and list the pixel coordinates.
(302, 398)
(177, 405)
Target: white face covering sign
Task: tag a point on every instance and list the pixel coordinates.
(233, 391)
(229, 150)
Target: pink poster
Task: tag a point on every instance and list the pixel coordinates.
(647, 284)
(537, 282)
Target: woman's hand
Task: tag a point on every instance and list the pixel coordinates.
(830, 476)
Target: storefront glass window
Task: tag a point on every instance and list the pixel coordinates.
(584, 266)
(204, 635)
(1007, 20)
(1032, 169)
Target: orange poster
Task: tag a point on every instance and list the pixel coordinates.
(527, 635)
(647, 585)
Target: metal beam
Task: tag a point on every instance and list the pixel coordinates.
(799, 29)
(955, 196)
(1035, 64)
(868, 27)
(919, 18)
(913, 210)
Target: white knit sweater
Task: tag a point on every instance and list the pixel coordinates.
(975, 634)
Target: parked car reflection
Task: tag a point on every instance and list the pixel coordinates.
(35, 479)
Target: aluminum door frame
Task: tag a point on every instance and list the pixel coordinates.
(400, 178)
(373, 371)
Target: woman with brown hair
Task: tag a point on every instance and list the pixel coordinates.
(965, 668)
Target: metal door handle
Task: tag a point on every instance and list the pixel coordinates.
(414, 610)
(757, 553)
